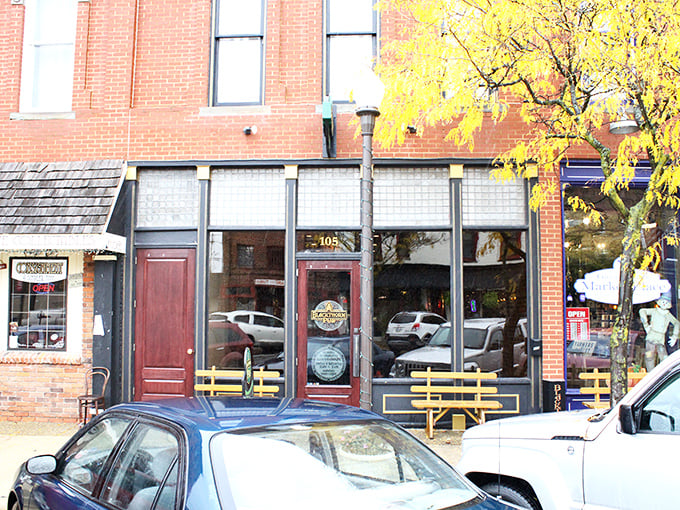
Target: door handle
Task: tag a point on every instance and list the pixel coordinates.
(356, 353)
(190, 352)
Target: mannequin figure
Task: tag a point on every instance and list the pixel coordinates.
(656, 322)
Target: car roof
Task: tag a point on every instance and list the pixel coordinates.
(222, 413)
(477, 323)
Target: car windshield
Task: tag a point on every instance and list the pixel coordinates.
(472, 338)
(359, 465)
(441, 337)
(403, 318)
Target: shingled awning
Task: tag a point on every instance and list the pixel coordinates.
(62, 206)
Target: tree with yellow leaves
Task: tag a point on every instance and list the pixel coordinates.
(571, 70)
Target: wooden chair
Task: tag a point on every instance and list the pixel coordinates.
(91, 399)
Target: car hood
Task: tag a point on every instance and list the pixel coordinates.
(565, 424)
(435, 354)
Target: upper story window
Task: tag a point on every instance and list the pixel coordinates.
(239, 49)
(351, 43)
(48, 55)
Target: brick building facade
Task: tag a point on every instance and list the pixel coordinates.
(146, 87)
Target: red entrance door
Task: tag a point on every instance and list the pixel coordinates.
(164, 323)
(328, 322)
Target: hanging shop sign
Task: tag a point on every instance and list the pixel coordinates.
(39, 271)
(329, 315)
(603, 285)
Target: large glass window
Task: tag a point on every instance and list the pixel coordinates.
(495, 296)
(411, 290)
(239, 50)
(37, 312)
(351, 42)
(246, 296)
(591, 284)
(48, 55)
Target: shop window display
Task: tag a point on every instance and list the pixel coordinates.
(37, 315)
(591, 252)
(495, 286)
(246, 296)
(495, 324)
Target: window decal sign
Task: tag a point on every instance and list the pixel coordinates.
(39, 271)
(329, 315)
(603, 285)
(578, 326)
(329, 363)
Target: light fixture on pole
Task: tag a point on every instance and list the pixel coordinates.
(368, 94)
(624, 124)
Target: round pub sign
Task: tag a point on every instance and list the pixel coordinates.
(329, 315)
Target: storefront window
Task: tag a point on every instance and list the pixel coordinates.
(37, 312)
(246, 296)
(591, 286)
(494, 279)
(411, 291)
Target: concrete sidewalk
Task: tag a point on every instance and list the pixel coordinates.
(19, 441)
(22, 440)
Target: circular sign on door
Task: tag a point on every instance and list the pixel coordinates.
(328, 363)
(329, 315)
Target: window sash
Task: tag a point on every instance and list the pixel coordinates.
(239, 53)
(351, 44)
(48, 56)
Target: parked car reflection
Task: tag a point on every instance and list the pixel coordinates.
(40, 336)
(226, 345)
(265, 330)
(382, 359)
(483, 349)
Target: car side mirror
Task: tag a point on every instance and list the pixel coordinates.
(41, 465)
(627, 419)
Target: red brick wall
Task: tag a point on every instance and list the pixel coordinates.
(142, 82)
(44, 386)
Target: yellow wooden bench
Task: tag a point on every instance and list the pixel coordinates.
(215, 387)
(468, 398)
(600, 387)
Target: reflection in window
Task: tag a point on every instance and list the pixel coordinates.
(48, 55)
(239, 47)
(494, 279)
(590, 313)
(412, 274)
(37, 315)
(351, 38)
(246, 297)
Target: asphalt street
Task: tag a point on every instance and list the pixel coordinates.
(21, 440)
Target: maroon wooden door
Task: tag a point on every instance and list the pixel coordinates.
(328, 319)
(164, 323)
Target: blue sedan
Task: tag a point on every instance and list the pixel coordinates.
(206, 453)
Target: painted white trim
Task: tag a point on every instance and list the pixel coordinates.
(76, 242)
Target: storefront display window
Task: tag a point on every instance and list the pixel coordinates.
(246, 296)
(412, 280)
(591, 286)
(37, 315)
(495, 286)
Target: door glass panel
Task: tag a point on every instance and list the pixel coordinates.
(328, 328)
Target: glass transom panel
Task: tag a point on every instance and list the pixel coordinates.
(167, 198)
(329, 197)
(411, 197)
(248, 197)
(487, 202)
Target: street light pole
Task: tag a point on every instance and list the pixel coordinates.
(367, 116)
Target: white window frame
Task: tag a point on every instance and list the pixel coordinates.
(56, 93)
(245, 39)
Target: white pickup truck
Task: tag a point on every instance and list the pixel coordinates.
(624, 458)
